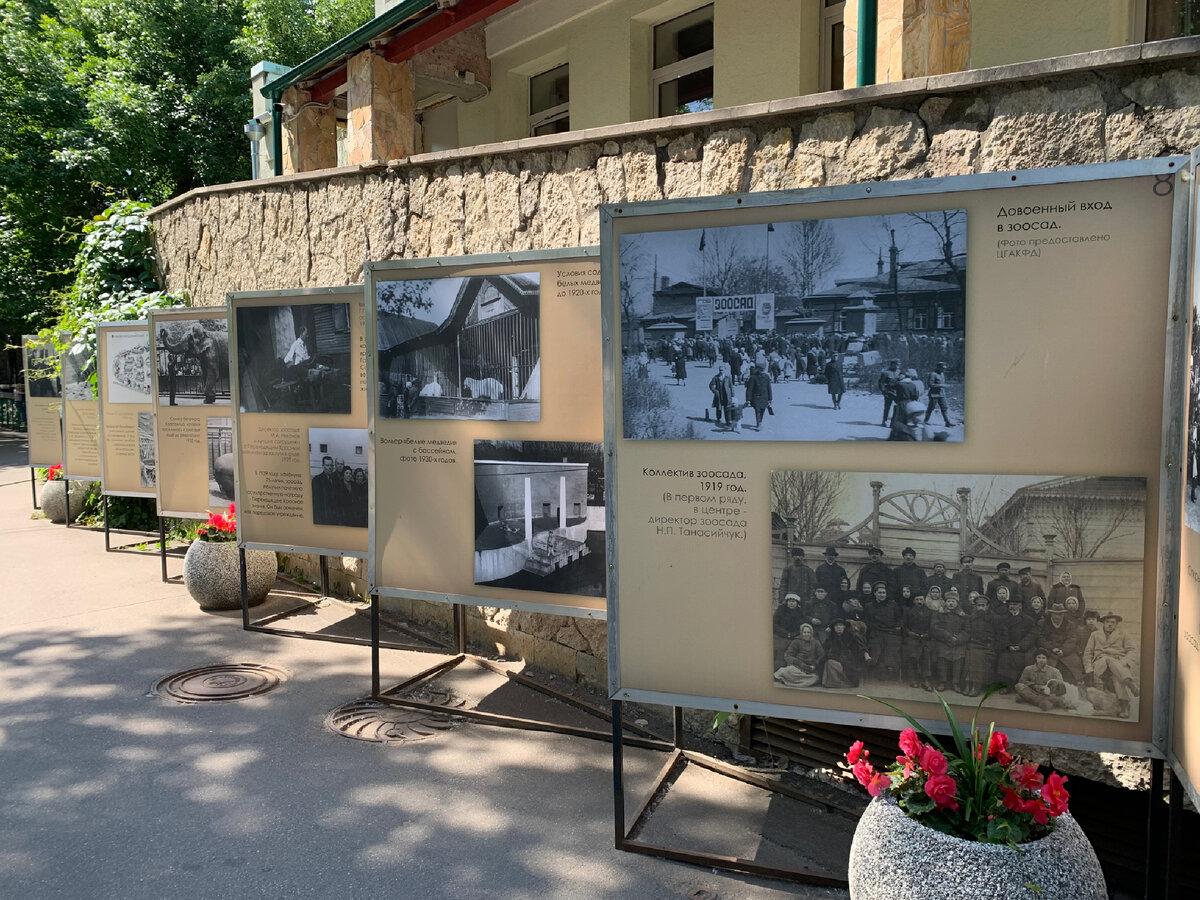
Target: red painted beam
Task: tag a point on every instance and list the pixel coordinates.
(445, 24)
(323, 91)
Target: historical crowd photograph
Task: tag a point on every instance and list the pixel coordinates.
(193, 362)
(221, 462)
(41, 360)
(899, 585)
(821, 330)
(77, 372)
(294, 359)
(539, 516)
(460, 348)
(337, 463)
(1191, 505)
(128, 376)
(145, 430)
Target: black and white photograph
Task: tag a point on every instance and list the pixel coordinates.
(77, 372)
(193, 362)
(460, 348)
(899, 585)
(128, 376)
(539, 516)
(337, 464)
(42, 361)
(295, 358)
(847, 329)
(221, 462)
(145, 428)
(1191, 505)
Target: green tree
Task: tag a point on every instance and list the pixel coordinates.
(290, 31)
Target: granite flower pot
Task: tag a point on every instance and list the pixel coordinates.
(54, 499)
(210, 572)
(894, 857)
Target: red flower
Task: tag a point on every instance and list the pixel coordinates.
(998, 748)
(941, 790)
(1011, 799)
(856, 751)
(54, 473)
(864, 772)
(1055, 794)
(910, 743)
(933, 761)
(1026, 776)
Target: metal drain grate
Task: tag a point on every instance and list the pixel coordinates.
(234, 681)
(370, 720)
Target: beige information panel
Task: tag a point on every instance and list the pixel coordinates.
(124, 364)
(487, 419)
(43, 403)
(300, 379)
(193, 421)
(1185, 735)
(939, 469)
(81, 417)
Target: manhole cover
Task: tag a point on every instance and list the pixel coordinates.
(234, 681)
(370, 720)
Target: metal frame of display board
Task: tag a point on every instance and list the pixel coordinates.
(459, 602)
(25, 338)
(1174, 170)
(263, 625)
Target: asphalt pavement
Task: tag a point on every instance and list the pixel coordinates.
(110, 790)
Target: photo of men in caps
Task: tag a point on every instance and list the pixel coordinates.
(1065, 640)
(966, 579)
(939, 577)
(1038, 682)
(1003, 579)
(937, 394)
(874, 572)
(1028, 587)
(888, 379)
(830, 574)
(797, 578)
(1110, 662)
(909, 575)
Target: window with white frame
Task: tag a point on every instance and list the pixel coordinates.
(833, 35)
(682, 79)
(550, 101)
(946, 318)
(920, 320)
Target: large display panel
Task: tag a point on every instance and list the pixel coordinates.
(81, 416)
(486, 415)
(124, 364)
(300, 420)
(43, 402)
(193, 424)
(1185, 732)
(1050, 352)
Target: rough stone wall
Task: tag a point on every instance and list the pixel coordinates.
(318, 230)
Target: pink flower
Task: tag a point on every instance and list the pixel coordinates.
(941, 790)
(910, 743)
(864, 772)
(856, 751)
(933, 761)
(1055, 794)
(877, 784)
(1026, 776)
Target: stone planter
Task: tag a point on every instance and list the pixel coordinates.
(894, 857)
(54, 499)
(210, 572)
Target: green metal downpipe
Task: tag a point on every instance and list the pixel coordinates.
(868, 20)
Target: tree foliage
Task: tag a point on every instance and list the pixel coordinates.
(290, 31)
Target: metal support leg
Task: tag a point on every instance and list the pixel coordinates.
(106, 544)
(677, 721)
(374, 645)
(1175, 849)
(245, 589)
(618, 775)
(324, 576)
(1156, 827)
(460, 628)
(33, 485)
(162, 545)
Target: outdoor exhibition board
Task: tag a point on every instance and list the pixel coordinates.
(193, 425)
(972, 384)
(81, 417)
(486, 417)
(123, 361)
(300, 421)
(43, 404)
